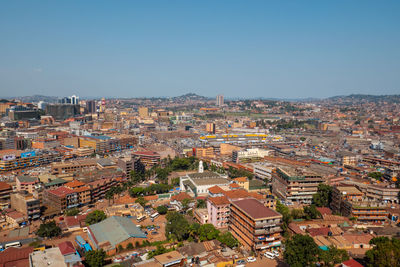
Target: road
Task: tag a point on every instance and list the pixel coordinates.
(23, 241)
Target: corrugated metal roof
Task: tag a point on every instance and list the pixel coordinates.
(115, 229)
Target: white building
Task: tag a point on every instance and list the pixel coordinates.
(198, 183)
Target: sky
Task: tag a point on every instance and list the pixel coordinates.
(248, 49)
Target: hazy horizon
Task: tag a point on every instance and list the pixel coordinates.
(266, 49)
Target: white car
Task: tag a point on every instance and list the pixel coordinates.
(251, 259)
(276, 253)
(269, 255)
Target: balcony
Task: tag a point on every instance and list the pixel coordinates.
(268, 224)
(267, 231)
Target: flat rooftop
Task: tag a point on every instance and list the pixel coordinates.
(255, 209)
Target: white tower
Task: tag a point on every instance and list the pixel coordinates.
(201, 168)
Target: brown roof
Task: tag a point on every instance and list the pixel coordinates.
(234, 185)
(219, 200)
(4, 186)
(235, 194)
(169, 257)
(15, 257)
(240, 179)
(255, 209)
(216, 190)
(73, 184)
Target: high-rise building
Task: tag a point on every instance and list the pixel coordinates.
(70, 100)
(220, 100)
(210, 127)
(91, 106)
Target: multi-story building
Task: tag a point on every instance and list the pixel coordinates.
(148, 158)
(61, 198)
(99, 188)
(210, 128)
(14, 160)
(263, 170)
(218, 211)
(129, 164)
(205, 152)
(81, 189)
(220, 100)
(27, 204)
(249, 155)
(254, 225)
(295, 184)
(143, 112)
(26, 183)
(91, 106)
(351, 202)
(5, 191)
(73, 166)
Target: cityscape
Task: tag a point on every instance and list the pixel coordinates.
(259, 166)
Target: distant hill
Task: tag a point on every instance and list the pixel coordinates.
(36, 98)
(190, 96)
(366, 98)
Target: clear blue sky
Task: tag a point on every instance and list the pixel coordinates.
(285, 49)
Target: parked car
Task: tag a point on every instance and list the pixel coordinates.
(241, 262)
(269, 255)
(251, 259)
(276, 253)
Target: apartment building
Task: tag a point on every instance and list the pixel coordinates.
(351, 202)
(26, 204)
(99, 188)
(295, 184)
(148, 158)
(129, 164)
(26, 183)
(81, 189)
(254, 225)
(61, 198)
(218, 211)
(5, 191)
(73, 166)
(205, 152)
(14, 159)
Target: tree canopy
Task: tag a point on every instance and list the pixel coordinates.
(162, 209)
(323, 197)
(95, 217)
(177, 226)
(49, 230)
(95, 258)
(301, 250)
(385, 253)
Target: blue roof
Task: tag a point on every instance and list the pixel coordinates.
(115, 229)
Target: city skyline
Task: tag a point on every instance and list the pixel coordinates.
(263, 49)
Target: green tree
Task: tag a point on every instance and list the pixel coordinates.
(136, 191)
(201, 204)
(142, 201)
(207, 232)
(162, 174)
(286, 215)
(49, 230)
(109, 196)
(129, 246)
(323, 196)
(332, 256)
(376, 175)
(311, 212)
(162, 209)
(228, 240)
(177, 226)
(186, 202)
(300, 251)
(95, 258)
(95, 217)
(72, 212)
(385, 253)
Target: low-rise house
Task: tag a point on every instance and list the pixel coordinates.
(15, 257)
(47, 257)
